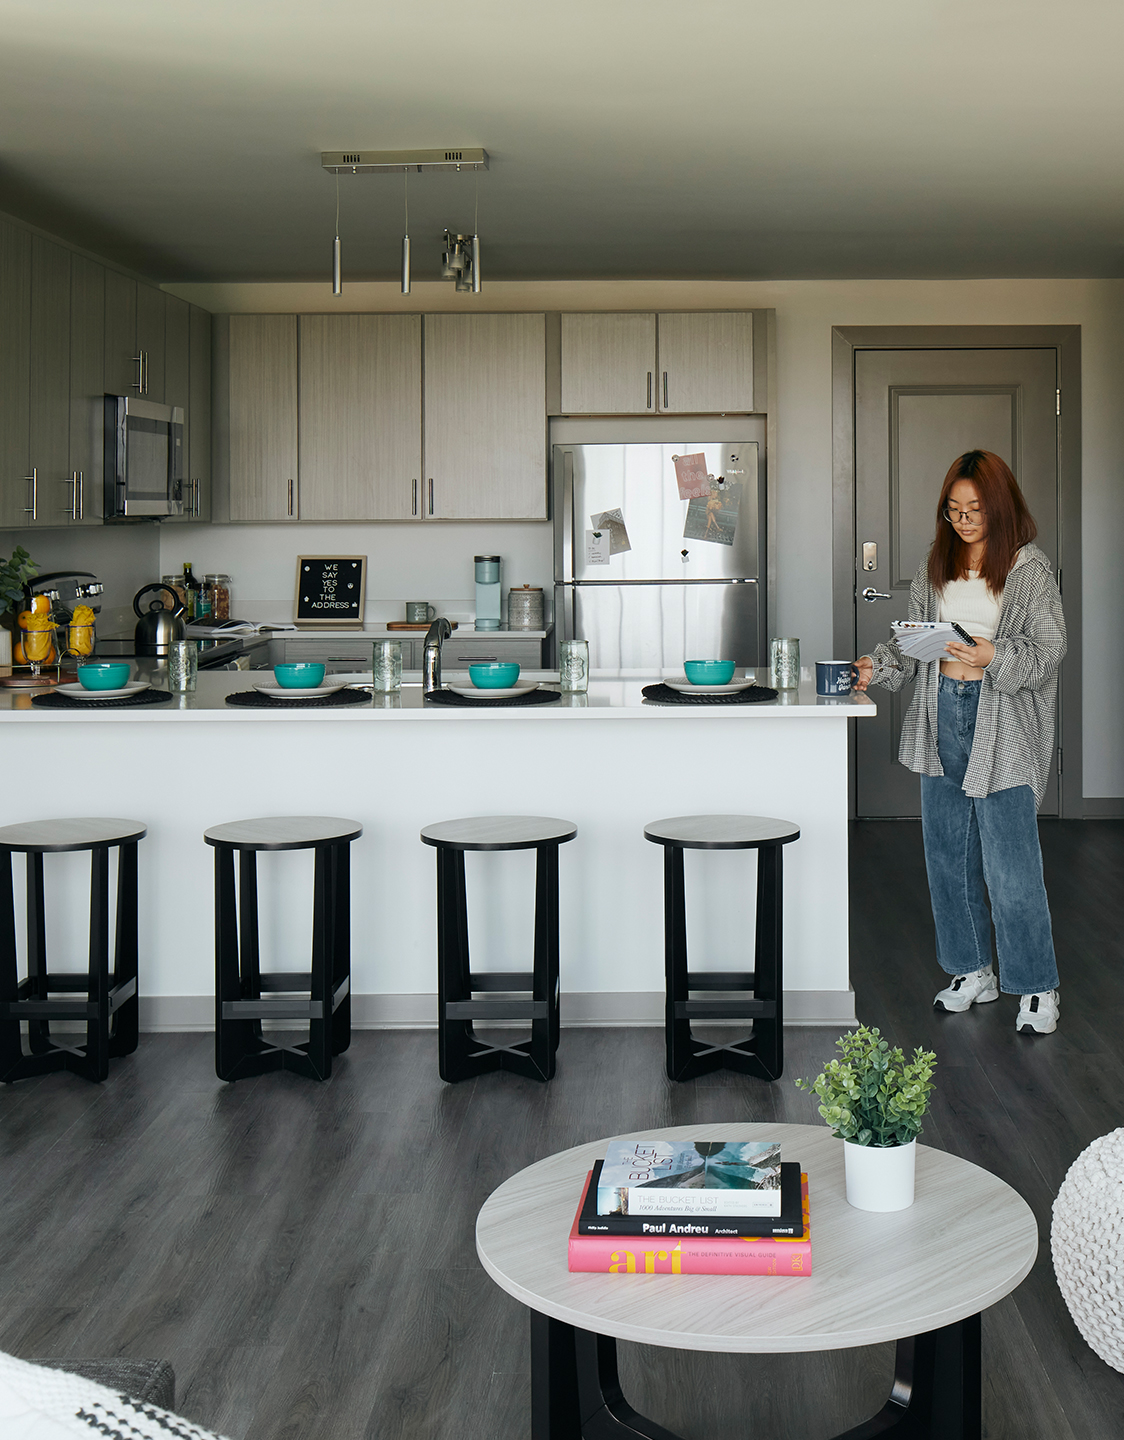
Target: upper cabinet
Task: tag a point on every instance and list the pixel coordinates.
(255, 394)
(87, 391)
(134, 338)
(49, 428)
(360, 417)
(691, 362)
(197, 501)
(15, 375)
(485, 417)
(608, 364)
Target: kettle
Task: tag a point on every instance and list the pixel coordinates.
(160, 626)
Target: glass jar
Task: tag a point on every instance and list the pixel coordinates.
(386, 666)
(218, 587)
(175, 583)
(784, 664)
(183, 666)
(573, 667)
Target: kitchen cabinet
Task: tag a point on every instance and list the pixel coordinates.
(197, 500)
(470, 647)
(360, 417)
(256, 390)
(674, 363)
(48, 500)
(135, 317)
(608, 364)
(15, 373)
(87, 391)
(485, 417)
(705, 362)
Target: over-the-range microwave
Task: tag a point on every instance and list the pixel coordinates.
(143, 459)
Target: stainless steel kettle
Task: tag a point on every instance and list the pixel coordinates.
(159, 626)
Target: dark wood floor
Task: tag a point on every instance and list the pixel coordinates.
(303, 1253)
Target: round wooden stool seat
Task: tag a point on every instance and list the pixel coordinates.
(47, 837)
(284, 832)
(499, 832)
(721, 832)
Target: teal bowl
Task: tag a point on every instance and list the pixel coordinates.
(493, 677)
(709, 672)
(299, 675)
(103, 675)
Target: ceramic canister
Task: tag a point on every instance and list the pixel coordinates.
(525, 608)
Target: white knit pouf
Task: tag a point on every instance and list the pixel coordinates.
(1087, 1244)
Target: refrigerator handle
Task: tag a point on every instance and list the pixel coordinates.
(567, 512)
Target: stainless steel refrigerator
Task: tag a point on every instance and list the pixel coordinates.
(692, 582)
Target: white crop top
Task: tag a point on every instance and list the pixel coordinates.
(971, 604)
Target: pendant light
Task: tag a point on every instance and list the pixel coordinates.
(406, 236)
(476, 242)
(337, 273)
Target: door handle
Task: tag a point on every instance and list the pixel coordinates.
(81, 496)
(414, 483)
(144, 353)
(665, 389)
(290, 498)
(870, 595)
(649, 389)
(138, 361)
(73, 483)
(431, 494)
(33, 481)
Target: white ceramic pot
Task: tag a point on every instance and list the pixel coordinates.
(879, 1179)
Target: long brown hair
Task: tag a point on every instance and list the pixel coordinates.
(1010, 525)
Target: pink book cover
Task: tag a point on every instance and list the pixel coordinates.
(634, 1255)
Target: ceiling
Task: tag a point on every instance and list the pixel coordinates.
(712, 139)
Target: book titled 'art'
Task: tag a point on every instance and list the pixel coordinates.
(629, 1255)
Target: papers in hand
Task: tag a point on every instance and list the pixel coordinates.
(924, 639)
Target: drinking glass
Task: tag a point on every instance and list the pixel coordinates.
(386, 666)
(573, 667)
(784, 664)
(183, 666)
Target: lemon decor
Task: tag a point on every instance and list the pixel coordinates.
(80, 637)
(873, 1095)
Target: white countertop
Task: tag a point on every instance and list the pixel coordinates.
(464, 630)
(610, 697)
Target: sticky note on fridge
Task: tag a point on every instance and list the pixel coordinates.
(598, 547)
(691, 476)
(613, 521)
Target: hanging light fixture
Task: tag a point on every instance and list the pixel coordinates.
(337, 272)
(406, 236)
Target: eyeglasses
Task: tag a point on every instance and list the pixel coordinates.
(951, 513)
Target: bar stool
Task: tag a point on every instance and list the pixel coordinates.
(461, 1055)
(109, 1004)
(762, 1053)
(240, 1005)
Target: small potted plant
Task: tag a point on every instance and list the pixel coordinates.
(875, 1099)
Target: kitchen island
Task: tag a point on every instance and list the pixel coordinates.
(605, 760)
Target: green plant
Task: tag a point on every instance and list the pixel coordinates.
(873, 1095)
(14, 575)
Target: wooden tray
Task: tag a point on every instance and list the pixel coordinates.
(410, 625)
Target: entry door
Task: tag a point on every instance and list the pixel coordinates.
(915, 412)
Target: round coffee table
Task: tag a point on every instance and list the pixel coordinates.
(919, 1276)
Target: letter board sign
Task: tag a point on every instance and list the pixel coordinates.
(331, 590)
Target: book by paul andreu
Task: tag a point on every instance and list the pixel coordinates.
(684, 1177)
(788, 1223)
(689, 1255)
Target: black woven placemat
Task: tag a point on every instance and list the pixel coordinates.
(665, 695)
(255, 700)
(55, 701)
(473, 702)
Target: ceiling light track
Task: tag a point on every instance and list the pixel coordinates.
(374, 162)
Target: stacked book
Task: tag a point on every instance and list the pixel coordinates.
(708, 1207)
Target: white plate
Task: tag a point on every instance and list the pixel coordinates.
(298, 692)
(81, 693)
(685, 687)
(498, 692)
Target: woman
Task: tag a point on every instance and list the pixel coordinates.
(980, 732)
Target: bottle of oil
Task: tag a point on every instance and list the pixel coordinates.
(197, 609)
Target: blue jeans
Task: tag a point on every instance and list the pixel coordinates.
(972, 842)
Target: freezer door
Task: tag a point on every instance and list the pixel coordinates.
(650, 629)
(639, 480)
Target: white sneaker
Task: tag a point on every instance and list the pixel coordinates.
(976, 989)
(1039, 1013)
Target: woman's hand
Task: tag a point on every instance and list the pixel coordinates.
(864, 669)
(979, 656)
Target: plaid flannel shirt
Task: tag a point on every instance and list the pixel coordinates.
(1014, 737)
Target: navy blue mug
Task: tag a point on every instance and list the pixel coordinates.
(834, 677)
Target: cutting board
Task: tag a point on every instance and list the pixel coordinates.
(409, 625)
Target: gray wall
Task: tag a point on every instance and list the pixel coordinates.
(123, 557)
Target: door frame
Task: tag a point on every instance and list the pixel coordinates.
(846, 341)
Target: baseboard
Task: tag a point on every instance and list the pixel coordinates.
(419, 1012)
(1103, 807)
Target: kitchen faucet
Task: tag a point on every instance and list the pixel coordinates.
(431, 655)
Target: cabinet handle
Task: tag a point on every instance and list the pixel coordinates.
(73, 483)
(290, 497)
(33, 481)
(415, 485)
(665, 389)
(431, 494)
(649, 389)
(81, 496)
(138, 361)
(145, 354)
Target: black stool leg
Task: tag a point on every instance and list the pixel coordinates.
(38, 1031)
(341, 949)
(544, 986)
(95, 1063)
(455, 1038)
(319, 1047)
(236, 1044)
(768, 1034)
(11, 1047)
(125, 1030)
(677, 1029)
